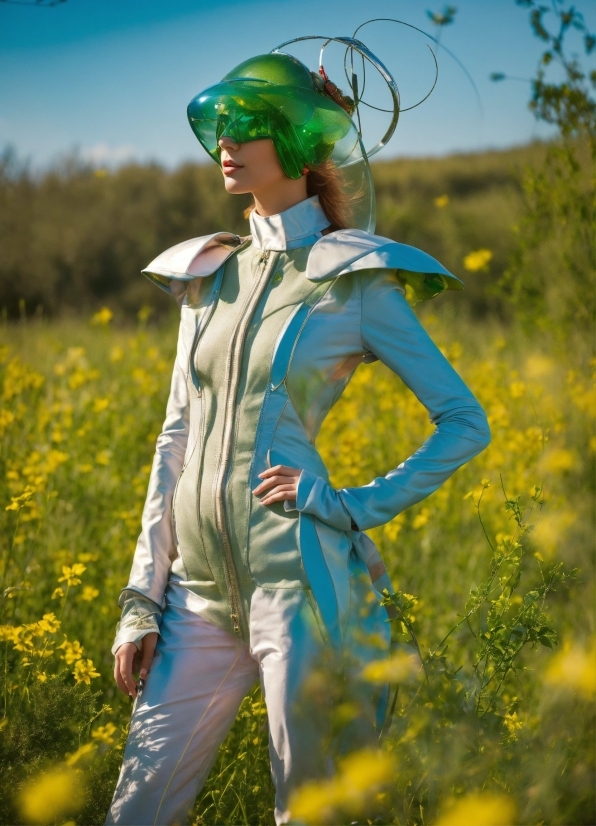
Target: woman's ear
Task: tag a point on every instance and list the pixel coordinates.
(305, 170)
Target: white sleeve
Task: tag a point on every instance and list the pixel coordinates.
(155, 548)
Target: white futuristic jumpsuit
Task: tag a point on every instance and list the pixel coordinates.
(272, 329)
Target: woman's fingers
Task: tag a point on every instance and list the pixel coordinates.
(123, 668)
(279, 494)
(276, 475)
(271, 482)
(129, 659)
(279, 483)
(149, 643)
(284, 470)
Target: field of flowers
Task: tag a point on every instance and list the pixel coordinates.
(493, 708)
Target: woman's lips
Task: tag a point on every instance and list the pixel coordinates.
(229, 167)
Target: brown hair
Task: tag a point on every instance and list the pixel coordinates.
(324, 180)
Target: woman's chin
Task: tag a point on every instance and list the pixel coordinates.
(235, 187)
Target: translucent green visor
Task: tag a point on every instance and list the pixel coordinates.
(306, 127)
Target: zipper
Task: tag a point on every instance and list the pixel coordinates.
(231, 383)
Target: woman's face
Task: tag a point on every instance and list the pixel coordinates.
(250, 167)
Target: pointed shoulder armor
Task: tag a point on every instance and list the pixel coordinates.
(349, 250)
(195, 258)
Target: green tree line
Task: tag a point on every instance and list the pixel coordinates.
(76, 237)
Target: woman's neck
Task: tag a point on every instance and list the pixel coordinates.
(278, 198)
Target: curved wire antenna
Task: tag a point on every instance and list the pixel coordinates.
(355, 45)
(380, 108)
(440, 46)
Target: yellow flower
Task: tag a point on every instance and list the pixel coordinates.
(41, 676)
(421, 519)
(71, 574)
(517, 389)
(9, 632)
(359, 777)
(442, 201)
(116, 354)
(17, 502)
(99, 405)
(313, 803)
(105, 734)
(477, 260)
(481, 810)
(512, 724)
(538, 366)
(144, 313)
(365, 770)
(558, 460)
(103, 317)
(54, 459)
(398, 668)
(57, 593)
(6, 419)
(86, 557)
(574, 668)
(50, 796)
(73, 651)
(89, 593)
(83, 751)
(84, 671)
(391, 529)
(49, 623)
(551, 531)
(22, 636)
(103, 457)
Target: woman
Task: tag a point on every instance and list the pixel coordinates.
(249, 565)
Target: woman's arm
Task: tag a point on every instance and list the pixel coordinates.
(141, 600)
(390, 330)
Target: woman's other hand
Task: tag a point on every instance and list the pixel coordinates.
(129, 660)
(279, 483)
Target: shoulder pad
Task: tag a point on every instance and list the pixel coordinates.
(195, 258)
(349, 250)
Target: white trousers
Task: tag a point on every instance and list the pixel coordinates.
(198, 679)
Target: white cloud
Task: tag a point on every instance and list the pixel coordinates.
(104, 155)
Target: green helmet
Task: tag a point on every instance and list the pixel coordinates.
(274, 96)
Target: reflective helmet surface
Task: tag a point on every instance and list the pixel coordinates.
(273, 96)
(276, 96)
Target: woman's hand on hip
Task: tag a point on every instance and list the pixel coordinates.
(279, 483)
(129, 660)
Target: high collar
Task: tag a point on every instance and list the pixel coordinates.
(298, 226)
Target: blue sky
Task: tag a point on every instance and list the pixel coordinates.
(112, 78)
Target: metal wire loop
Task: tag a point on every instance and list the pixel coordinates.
(355, 45)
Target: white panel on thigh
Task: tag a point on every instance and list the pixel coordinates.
(180, 597)
(282, 622)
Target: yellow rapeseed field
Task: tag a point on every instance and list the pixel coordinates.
(492, 574)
